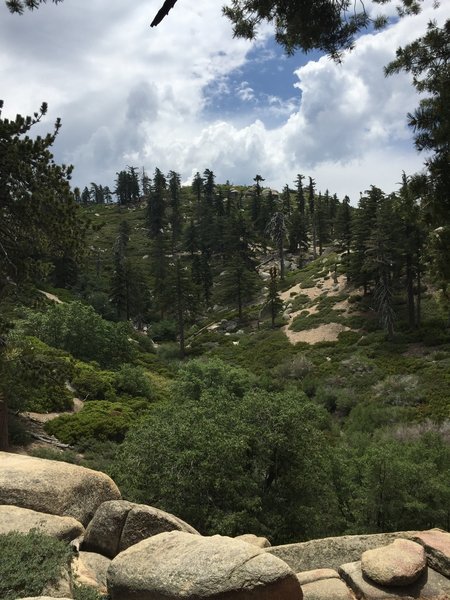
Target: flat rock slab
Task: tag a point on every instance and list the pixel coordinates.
(178, 565)
(327, 589)
(399, 563)
(430, 586)
(119, 524)
(14, 518)
(316, 575)
(330, 553)
(53, 487)
(437, 547)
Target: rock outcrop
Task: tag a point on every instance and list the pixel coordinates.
(53, 487)
(90, 569)
(430, 586)
(14, 518)
(437, 547)
(399, 563)
(118, 524)
(179, 565)
(330, 553)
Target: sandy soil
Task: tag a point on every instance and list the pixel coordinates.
(328, 332)
(45, 417)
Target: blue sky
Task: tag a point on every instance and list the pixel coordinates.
(188, 96)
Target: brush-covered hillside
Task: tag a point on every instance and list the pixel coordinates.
(246, 359)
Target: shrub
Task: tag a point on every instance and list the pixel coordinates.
(93, 384)
(134, 382)
(399, 390)
(99, 420)
(296, 367)
(78, 329)
(33, 375)
(164, 331)
(29, 562)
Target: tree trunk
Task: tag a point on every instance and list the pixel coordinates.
(410, 291)
(4, 445)
(180, 310)
(281, 261)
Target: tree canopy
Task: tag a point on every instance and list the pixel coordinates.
(326, 25)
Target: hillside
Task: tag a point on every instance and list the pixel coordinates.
(329, 425)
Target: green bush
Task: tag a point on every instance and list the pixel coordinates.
(29, 562)
(93, 384)
(164, 331)
(85, 592)
(134, 382)
(33, 375)
(399, 390)
(78, 329)
(100, 420)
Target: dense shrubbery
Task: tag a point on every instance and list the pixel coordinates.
(78, 329)
(29, 562)
(33, 375)
(99, 420)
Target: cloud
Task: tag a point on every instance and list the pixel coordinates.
(130, 95)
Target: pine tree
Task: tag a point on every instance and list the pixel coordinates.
(175, 218)
(156, 206)
(273, 298)
(277, 230)
(312, 213)
(343, 231)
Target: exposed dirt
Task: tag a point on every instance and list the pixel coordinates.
(328, 332)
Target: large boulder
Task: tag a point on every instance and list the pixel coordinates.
(327, 589)
(89, 568)
(119, 524)
(330, 553)
(14, 518)
(53, 487)
(437, 547)
(179, 565)
(399, 563)
(256, 540)
(430, 586)
(316, 575)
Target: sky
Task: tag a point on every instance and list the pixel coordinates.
(187, 96)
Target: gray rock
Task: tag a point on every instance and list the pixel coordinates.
(327, 589)
(146, 521)
(437, 547)
(430, 586)
(399, 563)
(330, 553)
(89, 568)
(104, 531)
(53, 487)
(119, 524)
(251, 538)
(179, 565)
(14, 518)
(316, 575)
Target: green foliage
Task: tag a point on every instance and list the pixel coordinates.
(133, 381)
(91, 383)
(40, 226)
(78, 329)
(33, 375)
(30, 562)
(229, 460)
(99, 420)
(399, 390)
